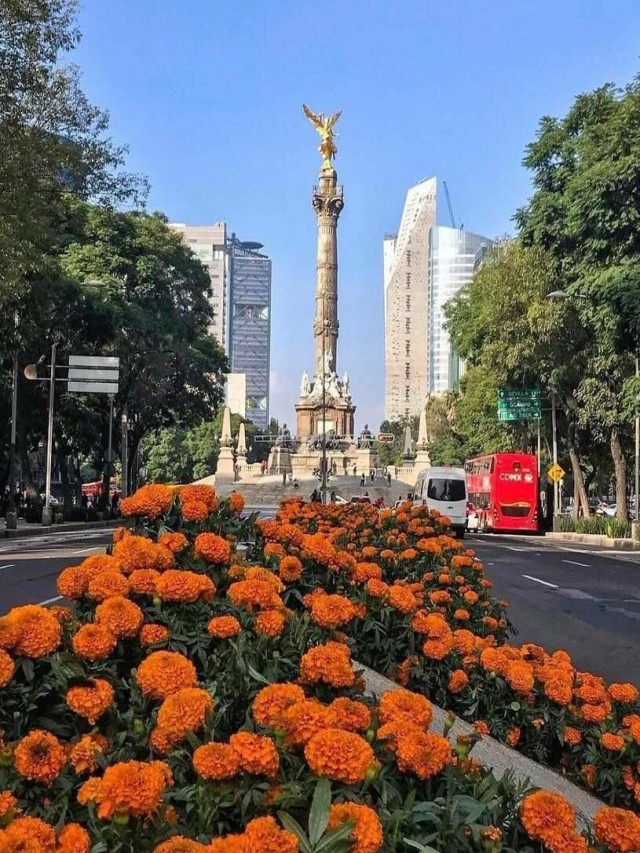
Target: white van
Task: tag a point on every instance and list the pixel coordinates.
(444, 489)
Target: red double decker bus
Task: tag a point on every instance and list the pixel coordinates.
(503, 492)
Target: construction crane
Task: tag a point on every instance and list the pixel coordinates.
(451, 216)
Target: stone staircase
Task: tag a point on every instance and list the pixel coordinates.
(268, 491)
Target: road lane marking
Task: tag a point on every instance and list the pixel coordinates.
(537, 580)
(50, 600)
(86, 550)
(511, 548)
(574, 563)
(8, 566)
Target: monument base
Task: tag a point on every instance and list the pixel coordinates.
(314, 419)
(366, 461)
(422, 461)
(279, 460)
(225, 470)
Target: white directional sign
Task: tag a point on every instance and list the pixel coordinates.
(92, 374)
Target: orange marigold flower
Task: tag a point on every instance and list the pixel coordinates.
(72, 583)
(143, 581)
(332, 611)
(367, 835)
(340, 756)
(513, 736)
(7, 668)
(377, 588)
(520, 677)
(194, 510)
(184, 712)
(132, 788)
(290, 569)
(618, 829)
(121, 616)
(201, 493)
(108, 584)
(461, 615)
(440, 597)
(263, 834)
(224, 627)
(83, 755)
(73, 838)
(213, 548)
(151, 634)
(329, 664)
(594, 713)
(482, 728)
(493, 660)
(625, 694)
(256, 754)
(270, 623)
(91, 699)
(236, 502)
(614, 742)
(8, 805)
(458, 680)
(590, 774)
(93, 642)
(38, 632)
(559, 689)
(163, 673)
(422, 753)
(175, 542)
(401, 598)
(464, 641)
(349, 715)
(138, 552)
(254, 595)
(572, 736)
(181, 844)
(368, 571)
(471, 597)
(318, 548)
(543, 812)
(405, 706)
(301, 720)
(216, 761)
(274, 549)
(28, 835)
(39, 757)
(271, 702)
(151, 501)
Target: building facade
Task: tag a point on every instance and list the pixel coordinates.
(208, 243)
(424, 267)
(250, 324)
(406, 328)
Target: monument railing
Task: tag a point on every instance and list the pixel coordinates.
(334, 192)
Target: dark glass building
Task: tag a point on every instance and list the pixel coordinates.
(250, 323)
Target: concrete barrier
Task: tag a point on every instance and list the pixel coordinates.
(595, 539)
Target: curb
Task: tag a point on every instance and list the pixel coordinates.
(595, 539)
(500, 758)
(65, 527)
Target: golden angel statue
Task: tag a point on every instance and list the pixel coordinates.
(324, 126)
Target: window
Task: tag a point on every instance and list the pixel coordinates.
(446, 490)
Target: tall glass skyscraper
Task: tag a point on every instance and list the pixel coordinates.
(250, 324)
(424, 267)
(452, 257)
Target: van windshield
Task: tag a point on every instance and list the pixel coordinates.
(447, 490)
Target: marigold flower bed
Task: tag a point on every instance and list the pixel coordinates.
(196, 700)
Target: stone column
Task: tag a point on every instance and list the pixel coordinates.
(327, 202)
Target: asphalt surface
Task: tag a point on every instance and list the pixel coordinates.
(580, 599)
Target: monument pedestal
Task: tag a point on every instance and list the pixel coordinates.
(225, 472)
(314, 419)
(279, 460)
(366, 460)
(422, 461)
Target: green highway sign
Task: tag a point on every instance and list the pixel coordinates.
(519, 404)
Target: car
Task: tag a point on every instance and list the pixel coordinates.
(340, 500)
(360, 499)
(53, 501)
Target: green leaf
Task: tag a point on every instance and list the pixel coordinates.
(417, 846)
(319, 814)
(257, 676)
(292, 825)
(336, 841)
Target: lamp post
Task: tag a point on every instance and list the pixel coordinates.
(46, 512)
(11, 517)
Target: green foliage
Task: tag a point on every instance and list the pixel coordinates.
(598, 525)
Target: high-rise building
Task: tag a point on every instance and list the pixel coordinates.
(208, 242)
(424, 267)
(250, 324)
(406, 327)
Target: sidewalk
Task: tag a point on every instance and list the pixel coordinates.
(35, 529)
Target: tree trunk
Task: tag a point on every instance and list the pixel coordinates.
(579, 491)
(620, 467)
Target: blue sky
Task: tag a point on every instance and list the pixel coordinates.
(208, 97)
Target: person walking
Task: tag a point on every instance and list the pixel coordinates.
(362, 480)
(332, 497)
(388, 478)
(284, 478)
(355, 469)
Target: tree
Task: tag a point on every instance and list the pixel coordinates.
(511, 335)
(446, 445)
(586, 215)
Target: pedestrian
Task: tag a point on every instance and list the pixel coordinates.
(290, 477)
(334, 468)
(333, 497)
(388, 478)
(284, 478)
(362, 480)
(114, 503)
(296, 484)
(85, 501)
(354, 469)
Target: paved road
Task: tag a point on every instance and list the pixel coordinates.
(579, 599)
(30, 565)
